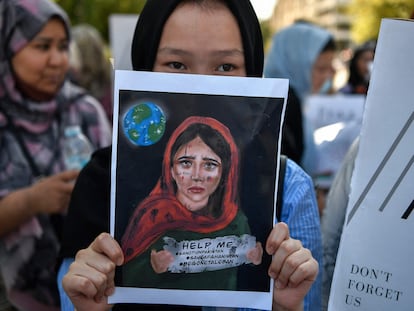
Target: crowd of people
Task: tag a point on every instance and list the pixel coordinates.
(55, 250)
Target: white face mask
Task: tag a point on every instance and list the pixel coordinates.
(368, 75)
(326, 87)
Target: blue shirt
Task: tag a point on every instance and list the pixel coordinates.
(299, 212)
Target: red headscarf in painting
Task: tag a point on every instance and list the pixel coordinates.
(161, 211)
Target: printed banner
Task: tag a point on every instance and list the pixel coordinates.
(209, 254)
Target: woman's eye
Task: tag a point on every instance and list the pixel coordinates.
(42, 47)
(226, 67)
(210, 166)
(64, 46)
(176, 66)
(185, 163)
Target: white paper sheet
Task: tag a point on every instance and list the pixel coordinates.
(374, 264)
(192, 84)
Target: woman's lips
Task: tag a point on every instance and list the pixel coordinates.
(196, 189)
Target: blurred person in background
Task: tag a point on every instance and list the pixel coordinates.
(90, 66)
(360, 68)
(331, 153)
(37, 102)
(302, 53)
(333, 218)
(4, 303)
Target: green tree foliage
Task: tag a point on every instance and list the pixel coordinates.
(97, 12)
(266, 32)
(366, 16)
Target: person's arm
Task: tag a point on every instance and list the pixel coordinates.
(300, 213)
(65, 303)
(333, 218)
(88, 214)
(49, 196)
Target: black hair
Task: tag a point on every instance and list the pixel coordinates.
(355, 77)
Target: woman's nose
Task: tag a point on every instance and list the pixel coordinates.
(56, 56)
(196, 176)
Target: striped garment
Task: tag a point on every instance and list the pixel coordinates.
(27, 255)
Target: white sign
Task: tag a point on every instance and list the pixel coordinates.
(335, 121)
(323, 110)
(174, 255)
(121, 32)
(374, 266)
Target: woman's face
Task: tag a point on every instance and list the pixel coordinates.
(197, 172)
(322, 70)
(201, 41)
(363, 63)
(41, 66)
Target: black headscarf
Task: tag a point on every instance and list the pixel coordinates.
(156, 12)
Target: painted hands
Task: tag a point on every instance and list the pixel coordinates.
(255, 254)
(161, 260)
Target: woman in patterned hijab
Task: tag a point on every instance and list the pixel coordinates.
(36, 104)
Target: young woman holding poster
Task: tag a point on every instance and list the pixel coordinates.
(200, 37)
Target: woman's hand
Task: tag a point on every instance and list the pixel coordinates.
(51, 195)
(160, 261)
(90, 279)
(293, 268)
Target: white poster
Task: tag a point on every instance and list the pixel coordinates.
(374, 264)
(323, 110)
(191, 224)
(335, 122)
(121, 32)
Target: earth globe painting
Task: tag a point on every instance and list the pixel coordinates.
(144, 124)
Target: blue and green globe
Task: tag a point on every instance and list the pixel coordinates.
(144, 124)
